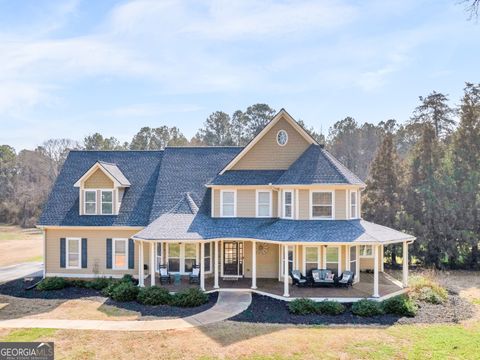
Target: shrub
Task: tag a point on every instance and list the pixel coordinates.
(78, 283)
(367, 308)
(99, 283)
(190, 298)
(52, 283)
(425, 289)
(124, 291)
(400, 305)
(330, 308)
(128, 278)
(302, 306)
(108, 291)
(154, 295)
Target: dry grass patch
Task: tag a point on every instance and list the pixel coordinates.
(19, 245)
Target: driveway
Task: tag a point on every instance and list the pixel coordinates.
(17, 271)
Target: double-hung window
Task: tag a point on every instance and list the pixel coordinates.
(311, 258)
(333, 259)
(366, 251)
(90, 202)
(227, 206)
(264, 203)
(322, 204)
(353, 259)
(73, 253)
(288, 204)
(120, 254)
(107, 202)
(353, 205)
(208, 257)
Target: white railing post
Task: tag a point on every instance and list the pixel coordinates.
(285, 271)
(375, 272)
(405, 265)
(254, 265)
(215, 285)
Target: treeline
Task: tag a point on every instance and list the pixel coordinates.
(423, 175)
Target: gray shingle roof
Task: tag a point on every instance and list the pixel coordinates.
(247, 177)
(318, 166)
(114, 171)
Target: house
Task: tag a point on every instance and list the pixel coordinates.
(247, 216)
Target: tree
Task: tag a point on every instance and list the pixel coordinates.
(216, 130)
(239, 128)
(434, 110)
(319, 137)
(257, 117)
(57, 151)
(344, 142)
(98, 142)
(472, 7)
(7, 178)
(157, 138)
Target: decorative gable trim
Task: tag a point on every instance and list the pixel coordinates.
(102, 167)
(281, 114)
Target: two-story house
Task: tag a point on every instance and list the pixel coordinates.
(247, 215)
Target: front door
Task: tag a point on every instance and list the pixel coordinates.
(232, 258)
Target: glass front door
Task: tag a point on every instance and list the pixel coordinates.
(232, 258)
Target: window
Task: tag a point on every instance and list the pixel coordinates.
(107, 202)
(366, 251)
(288, 204)
(90, 202)
(311, 258)
(159, 255)
(120, 248)
(353, 204)
(174, 257)
(290, 259)
(332, 259)
(208, 257)
(227, 199)
(353, 259)
(264, 202)
(73, 253)
(190, 258)
(322, 204)
(282, 138)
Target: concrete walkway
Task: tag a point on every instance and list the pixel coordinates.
(228, 305)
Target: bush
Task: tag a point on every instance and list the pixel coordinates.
(400, 305)
(78, 283)
(367, 308)
(302, 306)
(330, 308)
(154, 295)
(99, 283)
(124, 291)
(427, 290)
(108, 291)
(189, 298)
(52, 283)
(128, 278)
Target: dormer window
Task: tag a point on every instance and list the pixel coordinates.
(90, 202)
(107, 202)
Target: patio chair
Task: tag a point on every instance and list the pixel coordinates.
(298, 279)
(323, 277)
(194, 277)
(165, 277)
(346, 279)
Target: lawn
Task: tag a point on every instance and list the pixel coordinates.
(19, 245)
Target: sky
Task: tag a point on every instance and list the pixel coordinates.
(71, 68)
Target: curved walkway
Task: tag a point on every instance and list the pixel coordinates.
(228, 305)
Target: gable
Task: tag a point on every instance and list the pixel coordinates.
(98, 180)
(266, 154)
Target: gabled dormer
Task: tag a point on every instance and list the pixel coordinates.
(101, 189)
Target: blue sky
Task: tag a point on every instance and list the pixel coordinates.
(71, 68)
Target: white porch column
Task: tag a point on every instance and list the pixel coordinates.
(140, 265)
(202, 266)
(152, 263)
(285, 271)
(375, 271)
(382, 258)
(357, 263)
(347, 258)
(405, 265)
(215, 285)
(254, 265)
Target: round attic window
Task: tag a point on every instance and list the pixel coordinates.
(282, 138)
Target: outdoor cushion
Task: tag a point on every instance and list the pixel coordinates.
(195, 271)
(163, 272)
(345, 278)
(316, 275)
(329, 276)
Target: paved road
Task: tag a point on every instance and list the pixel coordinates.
(17, 271)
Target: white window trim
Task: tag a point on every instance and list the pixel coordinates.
(85, 201)
(365, 256)
(286, 141)
(101, 201)
(304, 257)
(282, 258)
(257, 204)
(284, 203)
(67, 260)
(339, 252)
(209, 257)
(311, 205)
(356, 205)
(181, 257)
(114, 240)
(234, 203)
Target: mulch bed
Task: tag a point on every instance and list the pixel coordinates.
(264, 309)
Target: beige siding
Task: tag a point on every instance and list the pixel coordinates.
(275, 204)
(246, 203)
(267, 264)
(98, 180)
(340, 204)
(267, 154)
(304, 204)
(216, 203)
(96, 250)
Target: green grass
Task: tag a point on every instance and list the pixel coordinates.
(110, 310)
(28, 334)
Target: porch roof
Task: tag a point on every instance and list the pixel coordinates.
(174, 226)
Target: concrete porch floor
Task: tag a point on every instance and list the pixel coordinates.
(362, 289)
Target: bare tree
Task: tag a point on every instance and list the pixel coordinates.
(472, 7)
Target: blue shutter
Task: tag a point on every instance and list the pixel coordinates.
(84, 253)
(131, 254)
(63, 252)
(109, 253)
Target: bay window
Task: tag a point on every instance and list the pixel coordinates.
(321, 204)
(288, 204)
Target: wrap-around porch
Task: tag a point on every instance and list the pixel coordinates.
(260, 266)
